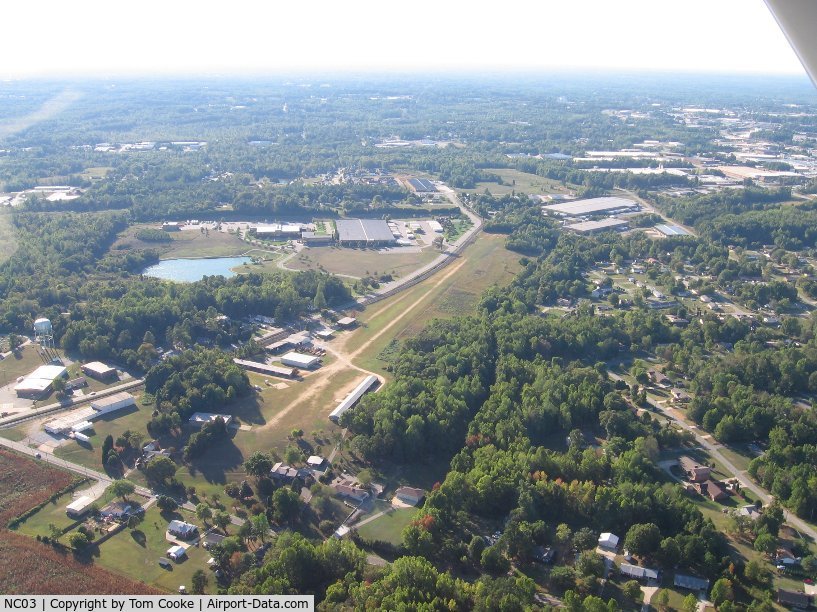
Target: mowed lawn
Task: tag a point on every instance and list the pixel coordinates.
(20, 363)
(135, 553)
(188, 243)
(361, 262)
(53, 513)
(389, 527)
(516, 181)
(486, 262)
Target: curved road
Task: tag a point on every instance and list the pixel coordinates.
(707, 442)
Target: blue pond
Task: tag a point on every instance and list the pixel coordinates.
(191, 270)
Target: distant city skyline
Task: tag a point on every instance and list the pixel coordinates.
(95, 38)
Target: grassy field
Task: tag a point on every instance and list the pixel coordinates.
(8, 235)
(25, 482)
(185, 244)
(54, 513)
(389, 527)
(38, 568)
(96, 174)
(487, 262)
(142, 548)
(21, 363)
(361, 262)
(514, 180)
(223, 463)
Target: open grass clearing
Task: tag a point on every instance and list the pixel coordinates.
(389, 527)
(96, 173)
(517, 181)
(53, 513)
(361, 262)
(188, 243)
(21, 363)
(486, 262)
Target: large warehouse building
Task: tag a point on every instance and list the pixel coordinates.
(592, 206)
(420, 185)
(40, 381)
(363, 232)
(112, 403)
(595, 227)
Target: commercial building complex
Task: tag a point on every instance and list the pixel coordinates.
(580, 208)
(363, 232)
(595, 227)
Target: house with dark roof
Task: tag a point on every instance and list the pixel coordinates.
(793, 599)
(710, 489)
(694, 471)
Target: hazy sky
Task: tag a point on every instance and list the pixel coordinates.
(110, 37)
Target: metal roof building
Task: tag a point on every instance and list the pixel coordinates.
(593, 227)
(112, 403)
(299, 360)
(671, 230)
(363, 232)
(100, 370)
(263, 368)
(577, 208)
(202, 418)
(636, 571)
(79, 506)
(39, 382)
(421, 185)
(351, 399)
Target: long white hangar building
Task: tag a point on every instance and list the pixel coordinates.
(350, 400)
(592, 206)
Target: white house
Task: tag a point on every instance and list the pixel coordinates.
(608, 540)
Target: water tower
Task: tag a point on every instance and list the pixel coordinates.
(43, 332)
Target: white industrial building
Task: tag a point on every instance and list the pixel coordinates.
(278, 230)
(40, 381)
(579, 208)
(112, 403)
(99, 370)
(351, 399)
(66, 423)
(595, 227)
(299, 360)
(435, 226)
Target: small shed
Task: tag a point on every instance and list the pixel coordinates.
(177, 553)
(79, 506)
(410, 495)
(608, 540)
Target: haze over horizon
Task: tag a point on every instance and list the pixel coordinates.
(164, 39)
